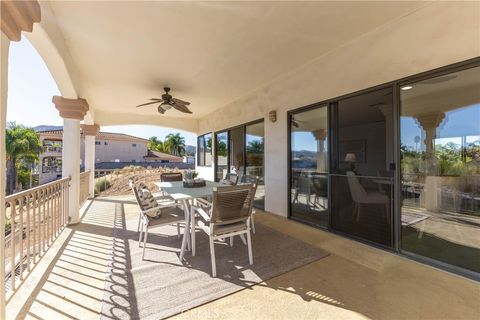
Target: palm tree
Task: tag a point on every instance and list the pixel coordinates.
(22, 145)
(175, 144)
(155, 144)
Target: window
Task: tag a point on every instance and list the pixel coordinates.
(440, 168)
(134, 144)
(98, 143)
(204, 150)
(105, 143)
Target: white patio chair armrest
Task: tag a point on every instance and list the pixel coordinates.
(203, 202)
(150, 210)
(201, 212)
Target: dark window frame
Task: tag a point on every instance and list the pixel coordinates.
(333, 105)
(201, 156)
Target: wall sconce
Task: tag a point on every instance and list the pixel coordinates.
(272, 115)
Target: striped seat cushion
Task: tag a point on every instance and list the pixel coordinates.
(148, 202)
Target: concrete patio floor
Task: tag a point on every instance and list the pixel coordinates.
(355, 282)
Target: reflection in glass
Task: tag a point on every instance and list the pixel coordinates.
(221, 154)
(440, 168)
(309, 165)
(362, 182)
(254, 148)
(237, 144)
(205, 150)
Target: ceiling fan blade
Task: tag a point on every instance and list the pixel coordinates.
(181, 108)
(156, 99)
(186, 103)
(146, 104)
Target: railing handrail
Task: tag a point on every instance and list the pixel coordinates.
(85, 173)
(38, 188)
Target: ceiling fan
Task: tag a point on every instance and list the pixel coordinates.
(296, 123)
(167, 102)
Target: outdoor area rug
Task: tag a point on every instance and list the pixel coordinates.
(161, 285)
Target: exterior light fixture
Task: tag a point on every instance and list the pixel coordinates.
(406, 88)
(272, 115)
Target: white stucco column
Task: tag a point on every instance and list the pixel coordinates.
(320, 136)
(430, 196)
(5, 44)
(72, 111)
(89, 132)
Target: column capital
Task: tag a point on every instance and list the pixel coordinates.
(18, 16)
(320, 134)
(90, 129)
(71, 108)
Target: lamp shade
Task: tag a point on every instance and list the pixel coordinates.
(350, 157)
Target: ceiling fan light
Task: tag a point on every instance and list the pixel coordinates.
(165, 106)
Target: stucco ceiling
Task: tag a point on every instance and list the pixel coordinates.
(209, 53)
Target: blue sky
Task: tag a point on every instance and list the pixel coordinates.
(31, 88)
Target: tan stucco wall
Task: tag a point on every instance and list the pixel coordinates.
(436, 35)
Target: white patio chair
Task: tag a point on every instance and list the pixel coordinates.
(231, 179)
(228, 215)
(361, 196)
(167, 213)
(253, 180)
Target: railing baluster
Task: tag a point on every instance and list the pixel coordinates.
(12, 243)
(20, 236)
(34, 213)
(44, 218)
(27, 211)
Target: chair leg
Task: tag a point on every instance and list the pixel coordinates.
(358, 211)
(139, 220)
(144, 242)
(242, 236)
(253, 223)
(140, 231)
(249, 241)
(178, 230)
(212, 256)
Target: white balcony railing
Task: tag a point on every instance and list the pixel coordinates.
(34, 219)
(84, 186)
(52, 149)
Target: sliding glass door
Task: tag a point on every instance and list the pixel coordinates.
(309, 166)
(240, 150)
(362, 179)
(440, 168)
(221, 155)
(254, 157)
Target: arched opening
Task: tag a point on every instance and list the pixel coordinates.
(31, 117)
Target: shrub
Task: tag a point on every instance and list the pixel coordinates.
(102, 185)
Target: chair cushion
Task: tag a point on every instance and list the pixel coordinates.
(148, 202)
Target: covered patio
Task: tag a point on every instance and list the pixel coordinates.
(245, 67)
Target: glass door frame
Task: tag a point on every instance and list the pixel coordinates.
(396, 214)
(227, 130)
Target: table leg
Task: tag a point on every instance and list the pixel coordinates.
(186, 232)
(192, 232)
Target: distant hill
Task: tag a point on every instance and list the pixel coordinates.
(42, 128)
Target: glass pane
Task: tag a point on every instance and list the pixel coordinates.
(440, 168)
(362, 186)
(309, 165)
(255, 159)
(201, 151)
(237, 145)
(221, 154)
(208, 149)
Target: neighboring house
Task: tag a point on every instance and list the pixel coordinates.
(109, 147)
